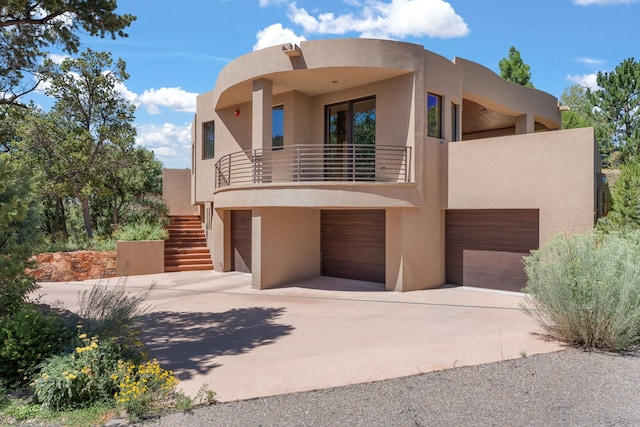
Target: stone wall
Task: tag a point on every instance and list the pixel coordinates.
(74, 266)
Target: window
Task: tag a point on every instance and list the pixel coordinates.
(208, 139)
(434, 115)
(350, 144)
(277, 137)
(454, 122)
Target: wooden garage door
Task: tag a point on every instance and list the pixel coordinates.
(353, 244)
(484, 248)
(241, 241)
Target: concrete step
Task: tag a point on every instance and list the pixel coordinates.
(202, 267)
(181, 262)
(196, 241)
(186, 250)
(187, 237)
(191, 255)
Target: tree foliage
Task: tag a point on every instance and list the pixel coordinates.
(29, 27)
(514, 69)
(625, 200)
(617, 104)
(89, 132)
(18, 233)
(583, 113)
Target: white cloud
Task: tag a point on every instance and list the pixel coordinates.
(394, 19)
(174, 98)
(602, 2)
(265, 3)
(170, 143)
(57, 58)
(586, 80)
(590, 61)
(126, 93)
(275, 34)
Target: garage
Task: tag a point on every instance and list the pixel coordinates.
(353, 244)
(484, 247)
(241, 241)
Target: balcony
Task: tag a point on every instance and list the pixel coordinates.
(315, 163)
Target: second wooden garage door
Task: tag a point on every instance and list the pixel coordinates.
(353, 244)
(484, 247)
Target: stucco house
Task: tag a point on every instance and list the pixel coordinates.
(380, 161)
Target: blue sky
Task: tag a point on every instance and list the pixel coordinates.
(176, 49)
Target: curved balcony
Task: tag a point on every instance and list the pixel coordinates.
(315, 163)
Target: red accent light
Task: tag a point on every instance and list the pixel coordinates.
(237, 112)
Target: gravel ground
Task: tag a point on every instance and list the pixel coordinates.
(567, 388)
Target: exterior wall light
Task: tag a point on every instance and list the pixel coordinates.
(237, 112)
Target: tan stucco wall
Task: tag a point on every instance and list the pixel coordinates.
(285, 245)
(139, 257)
(550, 171)
(204, 170)
(414, 243)
(176, 191)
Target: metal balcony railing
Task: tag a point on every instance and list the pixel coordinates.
(315, 163)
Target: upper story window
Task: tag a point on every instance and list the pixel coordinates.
(434, 115)
(208, 139)
(277, 137)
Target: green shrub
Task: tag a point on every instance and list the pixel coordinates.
(19, 225)
(15, 284)
(100, 243)
(145, 209)
(142, 231)
(585, 289)
(625, 201)
(27, 337)
(80, 378)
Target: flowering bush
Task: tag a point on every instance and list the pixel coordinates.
(79, 378)
(93, 372)
(141, 387)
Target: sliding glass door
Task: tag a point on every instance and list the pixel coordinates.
(350, 140)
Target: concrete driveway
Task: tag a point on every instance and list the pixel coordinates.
(212, 328)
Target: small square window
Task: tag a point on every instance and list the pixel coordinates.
(208, 131)
(434, 115)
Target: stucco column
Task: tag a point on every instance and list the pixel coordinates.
(525, 124)
(256, 249)
(261, 132)
(221, 245)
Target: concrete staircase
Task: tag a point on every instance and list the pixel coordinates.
(186, 249)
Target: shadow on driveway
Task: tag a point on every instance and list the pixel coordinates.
(188, 343)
